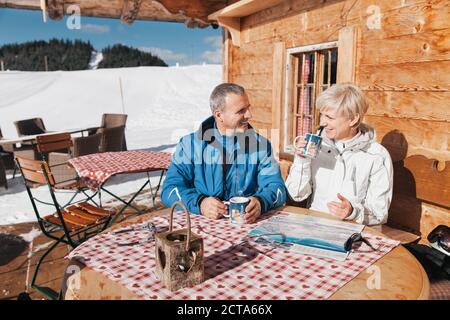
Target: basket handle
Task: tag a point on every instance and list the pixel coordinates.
(188, 218)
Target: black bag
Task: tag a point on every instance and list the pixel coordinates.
(435, 262)
(439, 239)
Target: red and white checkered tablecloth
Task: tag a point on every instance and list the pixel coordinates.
(233, 270)
(95, 169)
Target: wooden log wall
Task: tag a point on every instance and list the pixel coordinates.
(403, 66)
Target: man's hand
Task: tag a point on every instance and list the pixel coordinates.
(253, 210)
(212, 208)
(340, 209)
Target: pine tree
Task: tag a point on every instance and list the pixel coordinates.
(120, 56)
(71, 55)
(61, 55)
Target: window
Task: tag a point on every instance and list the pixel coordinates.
(310, 70)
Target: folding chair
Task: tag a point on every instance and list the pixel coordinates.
(71, 225)
(56, 150)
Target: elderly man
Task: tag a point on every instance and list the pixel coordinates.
(223, 159)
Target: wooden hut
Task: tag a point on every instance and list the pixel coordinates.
(286, 52)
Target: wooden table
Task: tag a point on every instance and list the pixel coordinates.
(402, 276)
(95, 169)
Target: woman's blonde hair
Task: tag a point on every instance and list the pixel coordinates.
(346, 99)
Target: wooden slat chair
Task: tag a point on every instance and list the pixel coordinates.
(71, 225)
(56, 150)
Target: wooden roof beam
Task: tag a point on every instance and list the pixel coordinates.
(230, 16)
(130, 11)
(55, 9)
(21, 4)
(194, 13)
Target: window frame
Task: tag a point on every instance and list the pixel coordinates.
(291, 83)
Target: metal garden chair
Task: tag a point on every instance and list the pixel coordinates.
(71, 225)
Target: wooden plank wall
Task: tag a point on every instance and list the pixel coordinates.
(403, 66)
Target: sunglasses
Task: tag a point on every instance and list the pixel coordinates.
(150, 226)
(355, 238)
(441, 235)
(265, 241)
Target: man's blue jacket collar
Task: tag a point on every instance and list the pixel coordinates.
(211, 136)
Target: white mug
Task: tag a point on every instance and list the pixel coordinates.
(236, 209)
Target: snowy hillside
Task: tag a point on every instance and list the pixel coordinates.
(162, 104)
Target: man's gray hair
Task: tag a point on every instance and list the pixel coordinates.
(217, 98)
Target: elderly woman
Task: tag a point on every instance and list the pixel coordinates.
(351, 177)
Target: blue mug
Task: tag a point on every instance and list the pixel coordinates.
(313, 143)
(236, 209)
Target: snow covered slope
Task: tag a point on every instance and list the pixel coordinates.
(158, 100)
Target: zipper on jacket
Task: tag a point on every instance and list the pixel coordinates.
(224, 171)
(237, 189)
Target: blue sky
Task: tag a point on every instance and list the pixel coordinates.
(173, 42)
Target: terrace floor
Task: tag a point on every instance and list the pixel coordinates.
(18, 258)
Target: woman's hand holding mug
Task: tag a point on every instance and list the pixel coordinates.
(307, 146)
(299, 146)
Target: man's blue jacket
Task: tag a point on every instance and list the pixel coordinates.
(197, 169)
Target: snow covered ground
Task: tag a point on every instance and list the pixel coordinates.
(162, 105)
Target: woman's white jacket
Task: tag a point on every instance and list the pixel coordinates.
(362, 173)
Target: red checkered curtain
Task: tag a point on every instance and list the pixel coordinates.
(304, 122)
